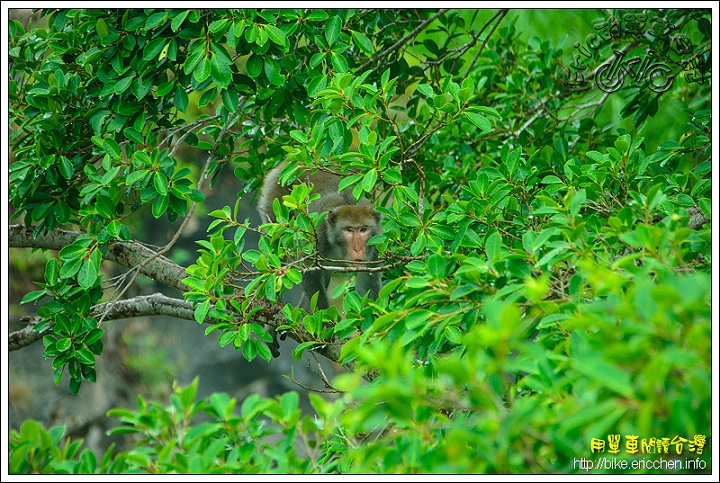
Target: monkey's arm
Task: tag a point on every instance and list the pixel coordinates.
(316, 281)
(368, 283)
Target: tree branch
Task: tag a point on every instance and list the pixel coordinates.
(400, 42)
(500, 13)
(156, 304)
(167, 272)
(127, 254)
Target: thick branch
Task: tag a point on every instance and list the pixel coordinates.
(127, 254)
(131, 254)
(159, 304)
(142, 306)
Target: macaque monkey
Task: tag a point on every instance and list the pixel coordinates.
(342, 235)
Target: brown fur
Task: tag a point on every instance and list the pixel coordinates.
(342, 235)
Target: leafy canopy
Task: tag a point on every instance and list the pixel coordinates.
(547, 276)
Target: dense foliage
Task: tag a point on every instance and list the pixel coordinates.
(547, 275)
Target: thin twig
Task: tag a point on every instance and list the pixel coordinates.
(400, 42)
(502, 14)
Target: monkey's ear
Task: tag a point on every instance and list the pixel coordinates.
(331, 217)
(377, 215)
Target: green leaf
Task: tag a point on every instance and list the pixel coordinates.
(111, 148)
(426, 90)
(254, 65)
(93, 336)
(249, 349)
(86, 357)
(76, 249)
(436, 266)
(63, 345)
(478, 120)
(155, 19)
(369, 180)
(230, 100)
(417, 318)
(317, 15)
(33, 296)
(160, 182)
(220, 25)
(596, 156)
(165, 88)
(134, 135)
(136, 176)
(300, 348)
(203, 70)
(201, 311)
(123, 84)
(70, 267)
(605, 374)
(492, 247)
(273, 71)
(392, 175)
(88, 274)
(289, 402)
(586, 416)
(362, 41)
(348, 352)
(384, 79)
(551, 179)
(101, 28)
(299, 136)
(276, 35)
(220, 72)
(227, 337)
(332, 29)
(51, 271)
(349, 181)
(153, 48)
(160, 206)
(57, 376)
(462, 291)
(65, 167)
(317, 84)
(181, 99)
(338, 61)
(264, 352)
(208, 96)
(706, 206)
(178, 20)
(317, 59)
(577, 202)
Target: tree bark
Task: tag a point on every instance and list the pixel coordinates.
(127, 254)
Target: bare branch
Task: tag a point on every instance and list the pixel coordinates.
(400, 42)
(501, 14)
(155, 304)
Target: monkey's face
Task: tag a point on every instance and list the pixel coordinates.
(356, 238)
(350, 227)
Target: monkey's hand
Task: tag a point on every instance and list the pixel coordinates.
(274, 345)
